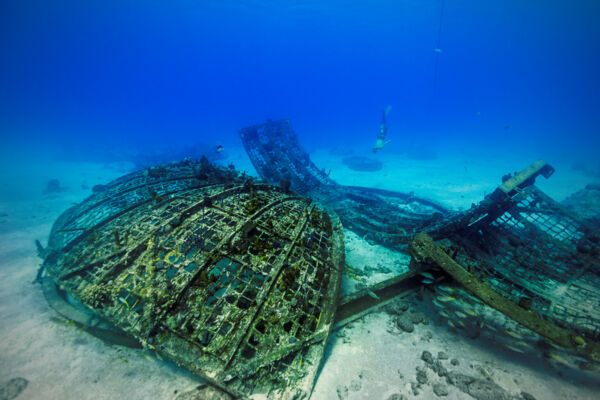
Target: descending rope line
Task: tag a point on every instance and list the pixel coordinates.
(437, 52)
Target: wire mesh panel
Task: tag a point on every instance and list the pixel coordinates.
(230, 278)
(538, 255)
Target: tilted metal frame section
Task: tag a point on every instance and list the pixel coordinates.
(536, 254)
(276, 154)
(232, 279)
(386, 217)
(528, 248)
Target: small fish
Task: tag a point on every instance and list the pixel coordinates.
(439, 51)
(579, 340)
(427, 275)
(437, 303)
(460, 323)
(513, 348)
(470, 312)
(460, 314)
(557, 357)
(446, 299)
(513, 334)
(523, 343)
(445, 313)
(552, 344)
(446, 289)
(219, 148)
(452, 324)
(372, 294)
(427, 281)
(319, 318)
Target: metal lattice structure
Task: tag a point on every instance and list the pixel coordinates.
(535, 253)
(235, 280)
(386, 217)
(541, 260)
(518, 241)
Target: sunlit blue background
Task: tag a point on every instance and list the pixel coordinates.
(127, 74)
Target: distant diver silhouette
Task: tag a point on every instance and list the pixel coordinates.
(380, 143)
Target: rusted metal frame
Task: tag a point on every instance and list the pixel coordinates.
(183, 214)
(358, 304)
(400, 195)
(279, 353)
(505, 196)
(83, 317)
(279, 268)
(217, 250)
(424, 251)
(87, 267)
(589, 261)
(105, 221)
(586, 228)
(526, 177)
(216, 379)
(119, 194)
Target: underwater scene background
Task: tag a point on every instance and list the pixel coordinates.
(127, 74)
(92, 91)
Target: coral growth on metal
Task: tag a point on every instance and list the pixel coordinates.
(386, 217)
(519, 241)
(235, 280)
(531, 250)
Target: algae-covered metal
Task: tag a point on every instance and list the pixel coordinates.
(233, 279)
(385, 217)
(524, 254)
(523, 245)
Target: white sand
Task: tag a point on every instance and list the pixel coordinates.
(387, 360)
(62, 362)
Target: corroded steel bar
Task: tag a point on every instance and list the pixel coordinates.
(424, 251)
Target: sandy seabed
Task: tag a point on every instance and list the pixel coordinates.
(369, 359)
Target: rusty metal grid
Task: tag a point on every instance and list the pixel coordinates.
(538, 253)
(232, 280)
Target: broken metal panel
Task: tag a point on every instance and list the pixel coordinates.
(236, 281)
(531, 251)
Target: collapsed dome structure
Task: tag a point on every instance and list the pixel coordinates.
(235, 280)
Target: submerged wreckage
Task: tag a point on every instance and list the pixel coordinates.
(518, 250)
(239, 280)
(229, 278)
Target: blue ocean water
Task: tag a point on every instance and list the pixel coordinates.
(132, 74)
(476, 88)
